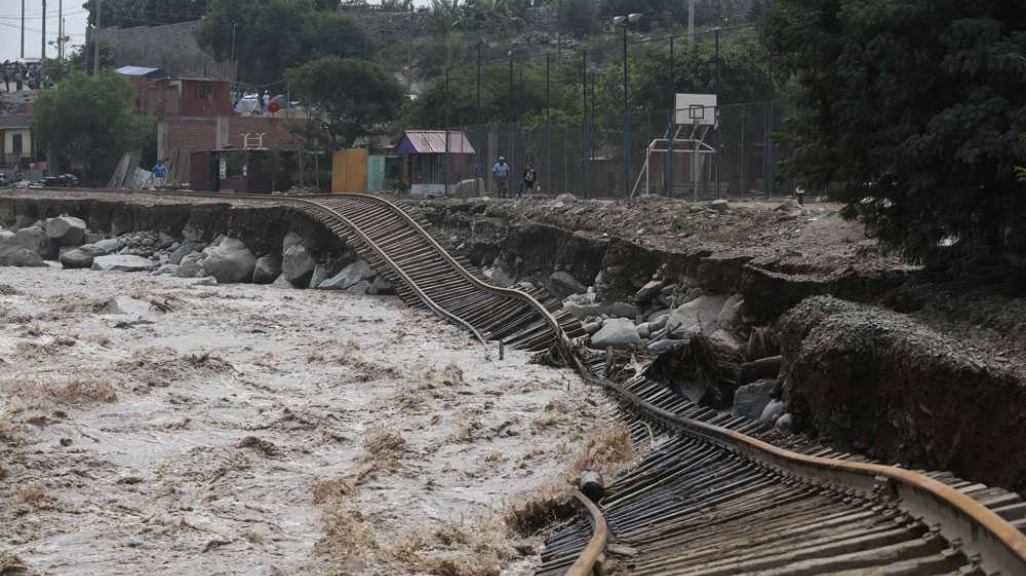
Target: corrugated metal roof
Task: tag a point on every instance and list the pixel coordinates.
(433, 142)
(143, 71)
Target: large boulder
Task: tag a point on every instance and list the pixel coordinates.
(698, 315)
(751, 399)
(563, 284)
(66, 230)
(32, 238)
(122, 304)
(81, 257)
(231, 262)
(665, 345)
(168, 270)
(349, 276)
(192, 265)
(617, 309)
(616, 333)
(267, 269)
(20, 257)
(297, 264)
(283, 282)
(123, 263)
(23, 221)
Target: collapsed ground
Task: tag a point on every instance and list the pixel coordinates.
(153, 425)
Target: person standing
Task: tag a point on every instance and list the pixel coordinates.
(19, 75)
(528, 180)
(501, 173)
(6, 73)
(159, 172)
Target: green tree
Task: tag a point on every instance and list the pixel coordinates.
(89, 121)
(270, 35)
(350, 96)
(579, 17)
(336, 34)
(916, 107)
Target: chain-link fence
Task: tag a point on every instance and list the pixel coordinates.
(601, 151)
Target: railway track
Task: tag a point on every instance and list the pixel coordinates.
(714, 497)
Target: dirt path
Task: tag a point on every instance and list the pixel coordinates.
(250, 430)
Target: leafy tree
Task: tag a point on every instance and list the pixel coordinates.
(397, 5)
(350, 95)
(916, 107)
(270, 35)
(743, 76)
(79, 59)
(89, 120)
(579, 17)
(336, 34)
(661, 12)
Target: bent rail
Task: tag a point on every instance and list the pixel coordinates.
(977, 530)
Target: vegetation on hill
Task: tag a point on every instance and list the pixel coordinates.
(911, 110)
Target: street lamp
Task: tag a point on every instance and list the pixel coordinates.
(625, 22)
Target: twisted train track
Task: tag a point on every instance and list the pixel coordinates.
(717, 495)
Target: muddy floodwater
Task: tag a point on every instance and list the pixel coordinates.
(154, 426)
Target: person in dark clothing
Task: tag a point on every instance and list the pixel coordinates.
(528, 180)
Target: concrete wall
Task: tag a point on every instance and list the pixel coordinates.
(171, 46)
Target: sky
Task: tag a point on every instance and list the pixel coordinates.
(10, 26)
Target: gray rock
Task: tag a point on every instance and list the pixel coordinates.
(665, 345)
(719, 206)
(231, 262)
(731, 312)
(205, 281)
(297, 264)
(192, 232)
(320, 274)
(617, 309)
(81, 257)
(5, 234)
(360, 287)
(108, 245)
(773, 410)
(349, 276)
(66, 230)
(192, 265)
(381, 287)
(168, 270)
(616, 333)
(726, 341)
(19, 257)
(165, 240)
(785, 423)
(32, 238)
(267, 269)
(592, 327)
(659, 323)
(122, 263)
(498, 275)
(291, 239)
(644, 330)
(187, 247)
(283, 282)
(649, 291)
(695, 316)
(751, 399)
(566, 198)
(127, 305)
(563, 284)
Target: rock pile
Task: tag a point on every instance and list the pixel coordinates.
(224, 260)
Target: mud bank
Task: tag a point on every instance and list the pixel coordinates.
(882, 383)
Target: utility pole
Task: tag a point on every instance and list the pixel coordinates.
(235, 69)
(691, 23)
(480, 127)
(22, 29)
(559, 31)
(671, 131)
(42, 41)
(445, 168)
(60, 29)
(96, 37)
(548, 122)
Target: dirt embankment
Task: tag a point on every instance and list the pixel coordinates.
(889, 385)
(776, 254)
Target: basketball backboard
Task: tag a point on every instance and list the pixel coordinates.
(695, 109)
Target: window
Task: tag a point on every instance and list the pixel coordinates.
(204, 91)
(17, 146)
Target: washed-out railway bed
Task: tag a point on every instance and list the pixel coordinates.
(719, 494)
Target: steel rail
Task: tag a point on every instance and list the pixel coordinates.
(591, 557)
(986, 537)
